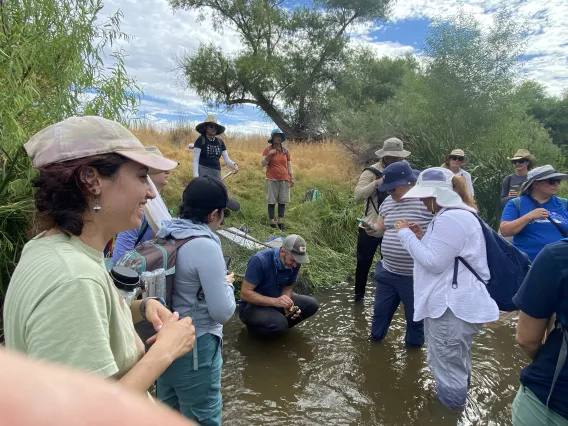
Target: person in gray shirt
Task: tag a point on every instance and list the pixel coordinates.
(204, 291)
(522, 161)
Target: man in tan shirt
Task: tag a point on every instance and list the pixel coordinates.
(366, 189)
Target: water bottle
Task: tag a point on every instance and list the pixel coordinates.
(127, 281)
(149, 283)
(160, 275)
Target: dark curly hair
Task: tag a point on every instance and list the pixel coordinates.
(61, 196)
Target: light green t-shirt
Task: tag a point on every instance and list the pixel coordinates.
(62, 306)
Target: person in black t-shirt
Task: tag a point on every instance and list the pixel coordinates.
(542, 400)
(208, 149)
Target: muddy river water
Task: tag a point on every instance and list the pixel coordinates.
(326, 372)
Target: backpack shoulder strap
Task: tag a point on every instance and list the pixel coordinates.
(468, 266)
(375, 171)
(564, 202)
(562, 355)
(557, 226)
(142, 232)
(517, 201)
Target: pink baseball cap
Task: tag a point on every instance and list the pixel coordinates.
(80, 137)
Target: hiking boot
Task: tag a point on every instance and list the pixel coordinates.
(282, 227)
(273, 225)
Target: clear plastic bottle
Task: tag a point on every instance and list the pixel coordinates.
(160, 275)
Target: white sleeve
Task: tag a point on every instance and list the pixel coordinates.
(445, 243)
(196, 154)
(469, 183)
(228, 161)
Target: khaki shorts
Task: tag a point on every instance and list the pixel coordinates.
(277, 191)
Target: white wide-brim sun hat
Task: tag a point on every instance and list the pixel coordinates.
(436, 182)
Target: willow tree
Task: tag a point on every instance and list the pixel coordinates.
(289, 58)
(53, 66)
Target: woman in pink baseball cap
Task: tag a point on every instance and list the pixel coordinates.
(62, 305)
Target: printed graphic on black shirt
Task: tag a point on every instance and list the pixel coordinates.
(210, 152)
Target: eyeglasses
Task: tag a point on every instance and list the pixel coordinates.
(553, 181)
(456, 158)
(519, 161)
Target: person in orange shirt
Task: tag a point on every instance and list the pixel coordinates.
(279, 177)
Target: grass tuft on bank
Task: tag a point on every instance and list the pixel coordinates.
(327, 224)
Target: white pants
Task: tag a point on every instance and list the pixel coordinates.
(449, 356)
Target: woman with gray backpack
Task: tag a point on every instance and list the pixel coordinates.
(203, 290)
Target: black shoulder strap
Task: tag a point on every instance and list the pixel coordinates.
(141, 232)
(376, 172)
(557, 226)
(468, 266)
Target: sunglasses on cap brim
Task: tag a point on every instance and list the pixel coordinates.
(456, 158)
(520, 161)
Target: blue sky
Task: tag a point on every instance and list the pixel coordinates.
(159, 34)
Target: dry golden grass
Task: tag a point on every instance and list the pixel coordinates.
(328, 224)
(326, 161)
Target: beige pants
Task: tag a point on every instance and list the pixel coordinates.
(277, 191)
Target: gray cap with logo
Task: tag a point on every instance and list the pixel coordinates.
(297, 246)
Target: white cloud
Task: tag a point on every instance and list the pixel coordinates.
(545, 21)
(159, 33)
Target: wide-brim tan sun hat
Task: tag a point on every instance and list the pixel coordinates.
(542, 173)
(523, 153)
(81, 137)
(392, 147)
(436, 182)
(457, 153)
(210, 119)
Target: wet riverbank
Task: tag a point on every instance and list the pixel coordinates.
(326, 372)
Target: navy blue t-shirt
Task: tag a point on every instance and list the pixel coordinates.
(268, 279)
(543, 293)
(541, 232)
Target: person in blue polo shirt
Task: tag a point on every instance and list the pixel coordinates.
(542, 398)
(268, 307)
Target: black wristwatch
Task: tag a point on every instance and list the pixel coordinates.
(143, 305)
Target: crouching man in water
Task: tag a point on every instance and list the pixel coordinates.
(268, 307)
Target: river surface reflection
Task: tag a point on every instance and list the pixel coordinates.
(326, 372)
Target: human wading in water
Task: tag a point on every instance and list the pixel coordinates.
(208, 149)
(279, 176)
(367, 190)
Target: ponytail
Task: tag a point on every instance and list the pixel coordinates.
(460, 186)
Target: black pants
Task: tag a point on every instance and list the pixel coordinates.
(265, 321)
(366, 248)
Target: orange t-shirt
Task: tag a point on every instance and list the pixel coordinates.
(277, 169)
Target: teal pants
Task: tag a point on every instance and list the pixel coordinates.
(527, 410)
(195, 393)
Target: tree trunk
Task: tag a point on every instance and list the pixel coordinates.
(274, 114)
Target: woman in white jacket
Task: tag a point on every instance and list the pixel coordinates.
(453, 313)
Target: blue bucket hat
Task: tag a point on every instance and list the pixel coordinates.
(398, 174)
(277, 132)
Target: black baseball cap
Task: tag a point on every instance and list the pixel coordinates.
(209, 194)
